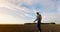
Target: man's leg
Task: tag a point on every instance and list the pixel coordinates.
(39, 25)
(40, 28)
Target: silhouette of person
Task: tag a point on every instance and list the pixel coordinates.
(38, 19)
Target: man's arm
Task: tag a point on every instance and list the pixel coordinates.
(35, 20)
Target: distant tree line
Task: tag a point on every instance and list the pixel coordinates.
(42, 23)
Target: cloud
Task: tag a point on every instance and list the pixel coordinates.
(18, 2)
(26, 9)
(8, 19)
(51, 11)
(19, 13)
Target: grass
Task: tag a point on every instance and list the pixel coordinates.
(29, 28)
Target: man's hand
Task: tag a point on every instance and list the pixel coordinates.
(34, 22)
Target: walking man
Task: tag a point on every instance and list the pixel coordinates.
(38, 19)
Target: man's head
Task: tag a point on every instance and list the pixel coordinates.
(37, 13)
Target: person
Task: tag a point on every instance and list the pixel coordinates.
(38, 19)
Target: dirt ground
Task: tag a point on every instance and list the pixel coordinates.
(29, 28)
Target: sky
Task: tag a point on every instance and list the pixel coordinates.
(24, 11)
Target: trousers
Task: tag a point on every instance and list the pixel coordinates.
(39, 25)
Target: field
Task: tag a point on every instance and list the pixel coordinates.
(29, 28)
